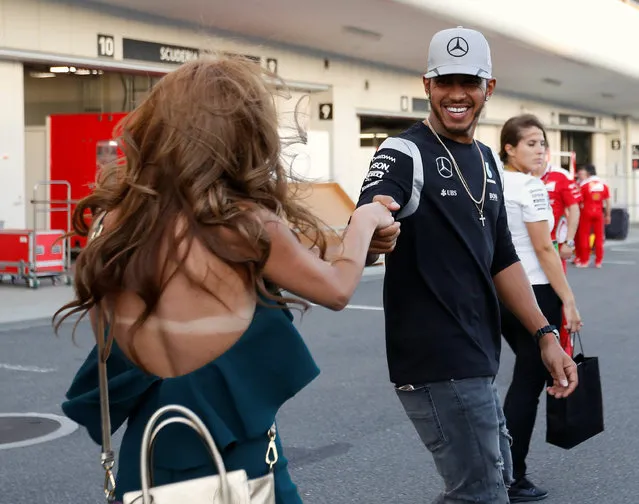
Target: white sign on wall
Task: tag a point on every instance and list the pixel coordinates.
(106, 46)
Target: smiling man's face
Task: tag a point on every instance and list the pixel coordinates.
(456, 103)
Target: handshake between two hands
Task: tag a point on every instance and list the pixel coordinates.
(387, 230)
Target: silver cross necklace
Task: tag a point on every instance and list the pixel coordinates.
(479, 204)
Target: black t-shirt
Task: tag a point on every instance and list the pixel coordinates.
(440, 304)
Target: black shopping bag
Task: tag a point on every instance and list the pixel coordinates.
(578, 417)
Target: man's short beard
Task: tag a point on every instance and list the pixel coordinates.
(472, 125)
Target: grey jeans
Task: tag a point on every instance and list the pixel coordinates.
(462, 424)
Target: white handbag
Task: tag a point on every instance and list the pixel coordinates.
(223, 488)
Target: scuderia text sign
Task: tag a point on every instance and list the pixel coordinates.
(158, 53)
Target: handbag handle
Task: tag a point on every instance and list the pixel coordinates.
(107, 457)
(191, 420)
(581, 345)
(156, 431)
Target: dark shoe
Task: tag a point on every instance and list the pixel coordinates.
(523, 490)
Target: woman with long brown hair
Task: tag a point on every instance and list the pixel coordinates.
(195, 236)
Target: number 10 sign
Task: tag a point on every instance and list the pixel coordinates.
(106, 46)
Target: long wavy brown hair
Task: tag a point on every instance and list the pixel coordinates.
(204, 148)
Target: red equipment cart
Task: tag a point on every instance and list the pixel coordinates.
(31, 254)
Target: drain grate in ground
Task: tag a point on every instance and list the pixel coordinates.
(24, 429)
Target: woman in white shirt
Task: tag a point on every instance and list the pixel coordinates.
(530, 219)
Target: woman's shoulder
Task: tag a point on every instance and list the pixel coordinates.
(535, 189)
(532, 182)
(517, 184)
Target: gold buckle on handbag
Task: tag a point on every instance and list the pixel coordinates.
(109, 479)
(271, 451)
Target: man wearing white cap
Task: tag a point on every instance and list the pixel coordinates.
(446, 272)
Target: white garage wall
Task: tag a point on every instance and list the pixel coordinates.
(72, 30)
(12, 172)
(36, 170)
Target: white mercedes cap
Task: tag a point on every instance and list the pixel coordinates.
(459, 51)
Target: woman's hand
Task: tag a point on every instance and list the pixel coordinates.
(565, 252)
(378, 213)
(572, 316)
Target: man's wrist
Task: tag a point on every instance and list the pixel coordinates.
(544, 331)
(548, 339)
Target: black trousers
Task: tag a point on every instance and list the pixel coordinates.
(529, 375)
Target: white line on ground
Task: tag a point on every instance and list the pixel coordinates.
(619, 262)
(360, 307)
(615, 243)
(364, 307)
(30, 369)
(621, 249)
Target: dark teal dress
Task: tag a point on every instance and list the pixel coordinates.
(237, 396)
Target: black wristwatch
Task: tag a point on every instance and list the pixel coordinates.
(545, 330)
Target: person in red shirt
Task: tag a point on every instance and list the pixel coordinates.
(595, 211)
(582, 174)
(565, 197)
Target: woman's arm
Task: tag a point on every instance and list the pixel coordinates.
(549, 260)
(300, 271)
(536, 211)
(551, 264)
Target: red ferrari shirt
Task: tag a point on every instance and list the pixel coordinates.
(593, 193)
(562, 191)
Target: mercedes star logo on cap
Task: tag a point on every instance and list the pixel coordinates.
(457, 47)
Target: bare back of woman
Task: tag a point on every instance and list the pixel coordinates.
(190, 327)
